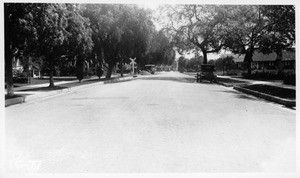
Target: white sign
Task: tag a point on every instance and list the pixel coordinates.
(132, 63)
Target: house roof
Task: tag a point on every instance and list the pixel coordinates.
(264, 57)
(257, 57)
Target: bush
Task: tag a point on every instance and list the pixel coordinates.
(231, 72)
(263, 76)
(68, 71)
(90, 72)
(125, 71)
(20, 80)
(246, 75)
(290, 79)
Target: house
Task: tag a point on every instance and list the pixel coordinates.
(289, 62)
(17, 67)
(266, 63)
(22, 69)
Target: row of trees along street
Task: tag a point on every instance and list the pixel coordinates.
(102, 35)
(241, 29)
(106, 35)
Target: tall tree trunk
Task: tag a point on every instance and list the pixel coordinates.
(204, 57)
(247, 61)
(8, 55)
(51, 81)
(100, 64)
(79, 68)
(122, 67)
(109, 70)
(8, 70)
(99, 71)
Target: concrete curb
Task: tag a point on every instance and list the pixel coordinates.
(225, 84)
(13, 101)
(237, 83)
(49, 94)
(121, 79)
(286, 102)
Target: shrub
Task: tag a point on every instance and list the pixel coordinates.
(290, 79)
(20, 80)
(90, 72)
(263, 76)
(231, 72)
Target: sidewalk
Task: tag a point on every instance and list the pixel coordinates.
(30, 93)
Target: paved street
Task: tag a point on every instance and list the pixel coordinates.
(160, 123)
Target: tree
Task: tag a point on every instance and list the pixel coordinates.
(281, 28)
(51, 23)
(196, 27)
(181, 64)
(225, 64)
(106, 33)
(93, 13)
(194, 63)
(137, 34)
(253, 27)
(281, 31)
(169, 56)
(19, 34)
(78, 40)
(119, 32)
(143, 32)
(161, 50)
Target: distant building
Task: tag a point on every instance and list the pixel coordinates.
(289, 61)
(264, 62)
(267, 62)
(17, 67)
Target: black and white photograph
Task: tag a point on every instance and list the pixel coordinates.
(148, 87)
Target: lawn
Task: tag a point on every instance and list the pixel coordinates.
(273, 90)
(35, 81)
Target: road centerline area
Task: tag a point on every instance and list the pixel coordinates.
(154, 125)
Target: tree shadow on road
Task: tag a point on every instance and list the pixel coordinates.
(237, 94)
(185, 79)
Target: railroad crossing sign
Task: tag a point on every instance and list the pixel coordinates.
(132, 63)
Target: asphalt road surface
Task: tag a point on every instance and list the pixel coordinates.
(163, 123)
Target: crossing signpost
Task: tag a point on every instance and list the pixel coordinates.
(132, 63)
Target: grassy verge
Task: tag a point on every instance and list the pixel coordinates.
(66, 85)
(273, 90)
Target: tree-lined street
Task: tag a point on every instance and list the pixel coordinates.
(159, 123)
(136, 106)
